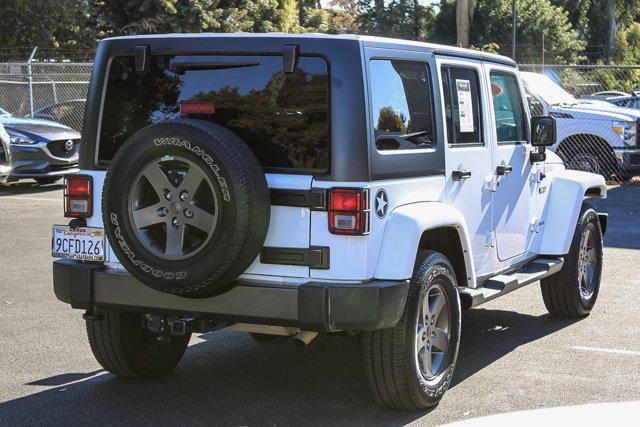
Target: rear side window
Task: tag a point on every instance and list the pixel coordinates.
(401, 105)
(284, 118)
(508, 108)
(460, 87)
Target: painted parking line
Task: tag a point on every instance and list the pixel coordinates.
(31, 199)
(607, 350)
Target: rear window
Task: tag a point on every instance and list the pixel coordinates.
(282, 117)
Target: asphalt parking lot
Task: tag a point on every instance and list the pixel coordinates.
(513, 355)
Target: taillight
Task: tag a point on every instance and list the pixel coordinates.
(77, 196)
(349, 211)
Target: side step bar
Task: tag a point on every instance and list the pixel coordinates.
(502, 284)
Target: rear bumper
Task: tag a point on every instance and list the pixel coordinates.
(313, 306)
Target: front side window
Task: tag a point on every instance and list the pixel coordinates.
(401, 105)
(461, 91)
(508, 110)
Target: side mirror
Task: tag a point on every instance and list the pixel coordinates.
(543, 131)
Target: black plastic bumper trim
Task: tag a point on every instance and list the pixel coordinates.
(313, 306)
(314, 199)
(314, 257)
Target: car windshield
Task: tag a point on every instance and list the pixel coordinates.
(545, 88)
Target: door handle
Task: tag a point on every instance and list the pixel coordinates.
(460, 175)
(502, 170)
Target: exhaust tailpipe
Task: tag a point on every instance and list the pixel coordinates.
(303, 338)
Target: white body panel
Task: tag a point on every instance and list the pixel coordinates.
(562, 207)
(470, 196)
(514, 196)
(404, 230)
(288, 228)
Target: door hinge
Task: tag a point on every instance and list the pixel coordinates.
(535, 224)
(490, 184)
(489, 241)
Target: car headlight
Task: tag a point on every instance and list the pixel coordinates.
(626, 131)
(19, 139)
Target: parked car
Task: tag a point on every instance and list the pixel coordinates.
(5, 161)
(621, 100)
(593, 135)
(39, 149)
(69, 113)
(258, 191)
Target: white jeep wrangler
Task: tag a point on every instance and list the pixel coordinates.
(289, 185)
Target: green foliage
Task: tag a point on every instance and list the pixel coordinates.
(492, 24)
(567, 25)
(188, 16)
(406, 19)
(29, 23)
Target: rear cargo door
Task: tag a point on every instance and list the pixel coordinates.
(289, 228)
(282, 114)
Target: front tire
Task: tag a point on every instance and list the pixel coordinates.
(125, 347)
(410, 366)
(572, 292)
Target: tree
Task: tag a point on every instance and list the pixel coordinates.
(536, 18)
(464, 18)
(188, 16)
(408, 19)
(29, 23)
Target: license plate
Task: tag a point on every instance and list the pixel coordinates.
(86, 244)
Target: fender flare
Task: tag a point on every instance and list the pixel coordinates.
(403, 232)
(560, 215)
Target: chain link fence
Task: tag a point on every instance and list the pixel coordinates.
(597, 111)
(593, 133)
(47, 90)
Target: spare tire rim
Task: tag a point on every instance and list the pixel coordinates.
(587, 264)
(432, 333)
(173, 208)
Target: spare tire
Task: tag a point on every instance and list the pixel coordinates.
(186, 207)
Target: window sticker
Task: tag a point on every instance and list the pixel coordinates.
(465, 105)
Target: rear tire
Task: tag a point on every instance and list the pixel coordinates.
(125, 348)
(405, 366)
(572, 292)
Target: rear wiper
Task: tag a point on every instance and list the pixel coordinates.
(180, 67)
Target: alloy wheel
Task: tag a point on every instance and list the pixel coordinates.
(173, 208)
(587, 264)
(433, 333)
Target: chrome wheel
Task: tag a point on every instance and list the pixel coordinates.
(173, 208)
(586, 163)
(432, 333)
(587, 266)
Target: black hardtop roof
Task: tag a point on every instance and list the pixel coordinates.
(367, 41)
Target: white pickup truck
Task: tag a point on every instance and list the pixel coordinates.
(593, 136)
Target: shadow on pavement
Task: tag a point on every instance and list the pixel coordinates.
(226, 378)
(487, 335)
(28, 188)
(622, 206)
